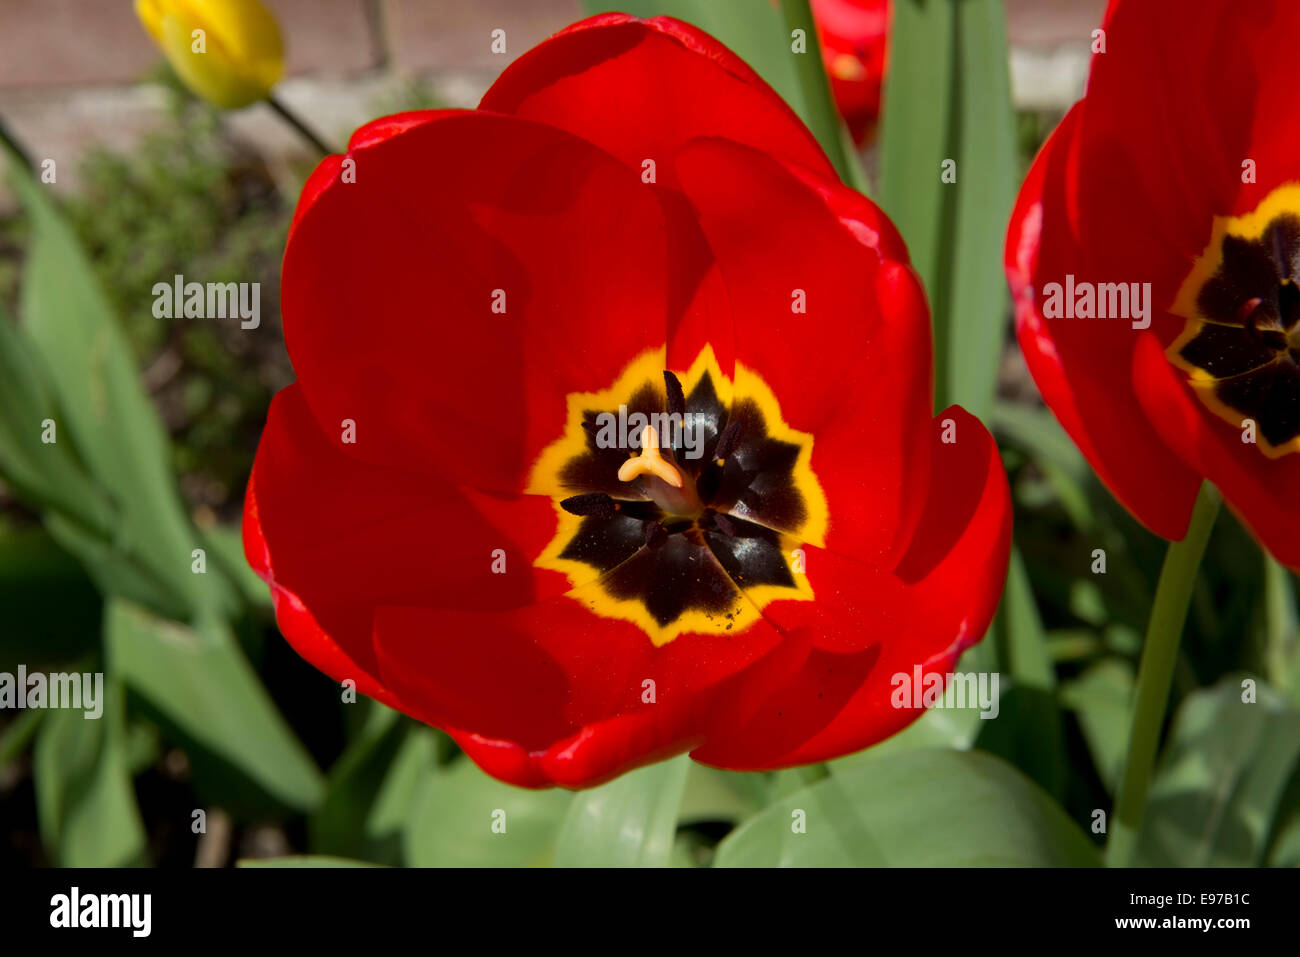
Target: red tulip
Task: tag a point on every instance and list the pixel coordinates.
(1178, 169)
(853, 36)
(631, 218)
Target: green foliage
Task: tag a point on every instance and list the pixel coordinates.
(919, 808)
(631, 821)
(1232, 752)
(947, 107)
(198, 686)
(460, 817)
(205, 703)
(84, 799)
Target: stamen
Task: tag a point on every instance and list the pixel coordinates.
(727, 441)
(676, 397)
(595, 504)
(650, 461)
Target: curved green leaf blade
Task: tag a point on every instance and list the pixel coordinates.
(85, 801)
(1028, 730)
(461, 817)
(914, 809)
(44, 473)
(371, 789)
(947, 99)
(1221, 778)
(104, 412)
(629, 822)
(202, 689)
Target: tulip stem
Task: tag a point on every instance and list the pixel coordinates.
(819, 105)
(1155, 674)
(303, 130)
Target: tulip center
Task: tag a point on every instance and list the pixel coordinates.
(682, 505)
(672, 490)
(1241, 344)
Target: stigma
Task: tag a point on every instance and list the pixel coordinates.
(659, 479)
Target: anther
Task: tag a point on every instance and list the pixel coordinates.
(727, 441)
(594, 504)
(676, 398)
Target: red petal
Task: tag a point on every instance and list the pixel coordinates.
(1260, 490)
(1173, 107)
(388, 289)
(335, 537)
(1083, 366)
(869, 626)
(855, 370)
(641, 89)
(551, 693)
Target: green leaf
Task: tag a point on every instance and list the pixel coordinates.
(84, 799)
(629, 822)
(1028, 730)
(819, 110)
(1036, 431)
(947, 96)
(463, 818)
(916, 116)
(1284, 843)
(1221, 778)
(372, 787)
(1282, 631)
(201, 688)
(225, 547)
(46, 474)
(113, 572)
(17, 735)
(1102, 700)
(104, 412)
(52, 612)
(713, 795)
(914, 809)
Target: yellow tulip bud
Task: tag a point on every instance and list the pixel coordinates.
(227, 51)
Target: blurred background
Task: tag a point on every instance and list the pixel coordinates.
(210, 710)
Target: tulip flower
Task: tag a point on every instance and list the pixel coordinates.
(1154, 255)
(854, 35)
(228, 52)
(1165, 190)
(612, 436)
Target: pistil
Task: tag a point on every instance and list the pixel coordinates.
(659, 479)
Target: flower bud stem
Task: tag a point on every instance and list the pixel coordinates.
(303, 130)
(1155, 674)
